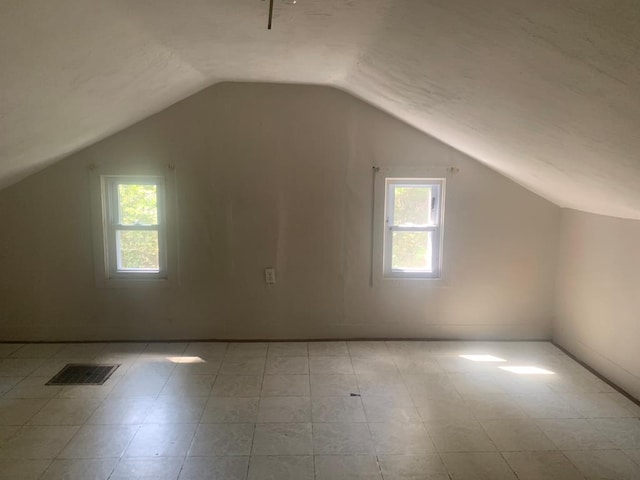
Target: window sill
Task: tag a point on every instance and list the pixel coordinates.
(119, 282)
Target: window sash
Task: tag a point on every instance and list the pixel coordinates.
(436, 186)
(112, 226)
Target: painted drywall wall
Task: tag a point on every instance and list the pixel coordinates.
(277, 175)
(598, 306)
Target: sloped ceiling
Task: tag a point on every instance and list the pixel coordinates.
(545, 91)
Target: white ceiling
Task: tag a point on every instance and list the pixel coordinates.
(545, 91)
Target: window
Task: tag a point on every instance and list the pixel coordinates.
(134, 220)
(412, 230)
(134, 227)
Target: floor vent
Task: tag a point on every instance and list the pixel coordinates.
(83, 374)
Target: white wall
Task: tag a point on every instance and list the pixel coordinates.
(598, 295)
(277, 175)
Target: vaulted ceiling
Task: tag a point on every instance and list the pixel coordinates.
(547, 92)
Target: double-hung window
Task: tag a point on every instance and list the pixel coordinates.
(134, 227)
(413, 227)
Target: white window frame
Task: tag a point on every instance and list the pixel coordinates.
(381, 245)
(111, 205)
(105, 207)
(435, 227)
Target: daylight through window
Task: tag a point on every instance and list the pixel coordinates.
(134, 226)
(413, 219)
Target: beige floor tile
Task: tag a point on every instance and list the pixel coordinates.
(7, 383)
(81, 350)
(347, 467)
(19, 367)
(284, 410)
(413, 467)
(433, 385)
(477, 466)
(604, 464)
(234, 365)
(99, 392)
(340, 365)
(633, 454)
(489, 407)
(288, 349)
(215, 468)
(341, 409)
(36, 442)
(282, 439)
(389, 409)
(374, 364)
(388, 384)
(6, 349)
(222, 439)
(85, 469)
(160, 468)
(176, 410)
(17, 411)
(598, 405)
(99, 441)
(164, 440)
(237, 386)
(139, 385)
(622, 432)
(285, 385)
(550, 405)
(183, 385)
(23, 469)
(206, 349)
(122, 411)
(574, 434)
(328, 349)
(151, 406)
(333, 385)
(281, 468)
(360, 348)
(65, 411)
(33, 387)
(477, 383)
(400, 439)
(517, 435)
(460, 436)
(38, 350)
(342, 439)
(247, 349)
(542, 466)
(231, 410)
(287, 365)
(413, 365)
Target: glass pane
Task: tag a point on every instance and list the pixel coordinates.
(412, 205)
(412, 251)
(137, 250)
(138, 204)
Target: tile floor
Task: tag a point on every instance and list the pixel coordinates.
(318, 410)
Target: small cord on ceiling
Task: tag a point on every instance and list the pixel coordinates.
(270, 14)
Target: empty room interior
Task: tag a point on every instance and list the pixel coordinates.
(320, 240)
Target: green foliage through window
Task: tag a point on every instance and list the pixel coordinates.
(138, 204)
(412, 205)
(138, 207)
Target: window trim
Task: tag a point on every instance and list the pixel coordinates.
(438, 173)
(104, 201)
(390, 227)
(111, 209)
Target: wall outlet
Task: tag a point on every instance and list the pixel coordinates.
(270, 275)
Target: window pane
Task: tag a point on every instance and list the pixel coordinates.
(137, 250)
(412, 251)
(138, 204)
(412, 205)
